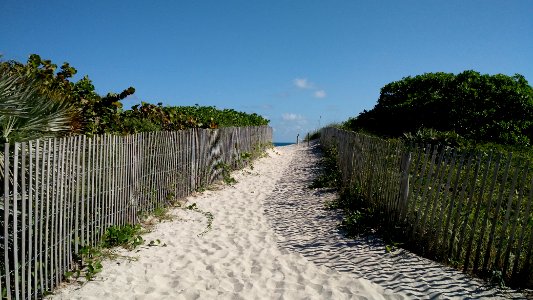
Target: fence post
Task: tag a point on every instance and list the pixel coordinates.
(6, 221)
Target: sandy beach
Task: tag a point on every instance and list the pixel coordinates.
(270, 238)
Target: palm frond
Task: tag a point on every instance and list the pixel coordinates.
(26, 113)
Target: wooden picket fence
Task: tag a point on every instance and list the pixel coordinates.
(60, 195)
(469, 209)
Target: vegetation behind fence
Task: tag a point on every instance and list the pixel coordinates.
(468, 209)
(60, 195)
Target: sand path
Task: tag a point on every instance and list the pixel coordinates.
(239, 258)
(270, 239)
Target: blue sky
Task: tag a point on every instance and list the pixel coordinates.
(301, 64)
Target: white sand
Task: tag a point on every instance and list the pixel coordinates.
(238, 259)
(271, 238)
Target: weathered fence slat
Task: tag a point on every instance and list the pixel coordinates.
(97, 140)
(49, 223)
(101, 174)
(453, 246)
(31, 221)
(476, 214)
(42, 245)
(529, 256)
(404, 185)
(487, 214)
(469, 203)
(506, 218)
(514, 222)
(133, 181)
(425, 188)
(54, 214)
(497, 211)
(61, 177)
(6, 218)
(523, 231)
(433, 189)
(444, 204)
(409, 202)
(106, 181)
(15, 221)
(433, 197)
(451, 205)
(80, 184)
(418, 184)
(72, 202)
(24, 216)
(91, 169)
(121, 197)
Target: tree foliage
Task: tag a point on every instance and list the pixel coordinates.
(27, 113)
(89, 113)
(150, 117)
(480, 108)
(93, 113)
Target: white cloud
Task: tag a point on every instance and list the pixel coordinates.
(303, 83)
(320, 94)
(291, 117)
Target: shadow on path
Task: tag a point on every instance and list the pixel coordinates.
(299, 217)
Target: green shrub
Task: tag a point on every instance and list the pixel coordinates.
(482, 108)
(126, 236)
(94, 114)
(329, 176)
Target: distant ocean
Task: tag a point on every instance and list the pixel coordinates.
(282, 144)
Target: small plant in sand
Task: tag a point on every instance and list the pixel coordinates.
(155, 243)
(312, 135)
(245, 159)
(170, 197)
(89, 258)
(329, 176)
(162, 213)
(207, 214)
(226, 173)
(127, 236)
(89, 263)
(392, 246)
(497, 279)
